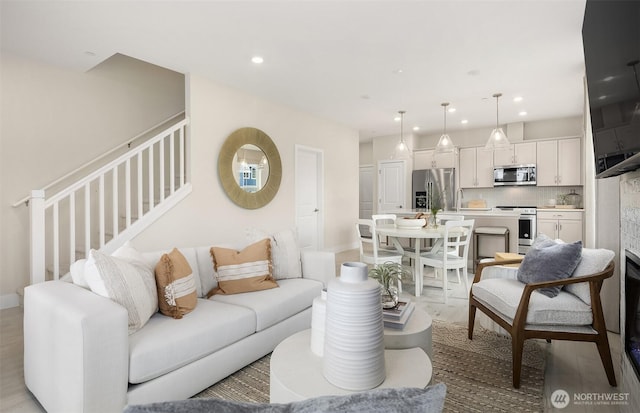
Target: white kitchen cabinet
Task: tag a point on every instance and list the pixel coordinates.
(566, 225)
(429, 159)
(476, 168)
(517, 154)
(559, 162)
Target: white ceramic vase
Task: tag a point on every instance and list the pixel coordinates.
(354, 336)
(318, 322)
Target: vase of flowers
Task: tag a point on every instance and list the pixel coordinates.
(388, 275)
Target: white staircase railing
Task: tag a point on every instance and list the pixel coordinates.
(109, 206)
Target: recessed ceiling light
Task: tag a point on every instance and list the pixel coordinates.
(522, 113)
(473, 72)
(451, 110)
(608, 78)
(416, 128)
(89, 53)
(396, 119)
(517, 99)
(365, 97)
(257, 59)
(397, 71)
(464, 121)
(603, 97)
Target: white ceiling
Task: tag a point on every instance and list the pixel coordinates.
(336, 59)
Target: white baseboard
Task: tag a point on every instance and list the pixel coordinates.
(9, 301)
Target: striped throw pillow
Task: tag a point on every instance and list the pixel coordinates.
(243, 271)
(176, 285)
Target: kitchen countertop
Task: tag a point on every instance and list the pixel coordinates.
(465, 211)
(543, 209)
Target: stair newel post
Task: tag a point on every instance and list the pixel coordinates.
(37, 237)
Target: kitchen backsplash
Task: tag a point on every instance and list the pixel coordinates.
(520, 196)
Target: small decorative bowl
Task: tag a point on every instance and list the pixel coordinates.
(411, 223)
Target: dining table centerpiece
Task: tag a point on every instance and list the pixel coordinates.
(434, 199)
(389, 274)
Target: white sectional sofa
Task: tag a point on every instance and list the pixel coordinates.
(79, 357)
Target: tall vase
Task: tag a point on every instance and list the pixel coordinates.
(354, 336)
(318, 323)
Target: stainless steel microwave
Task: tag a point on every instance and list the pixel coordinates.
(514, 175)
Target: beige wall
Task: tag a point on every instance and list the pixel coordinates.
(48, 128)
(207, 216)
(54, 120)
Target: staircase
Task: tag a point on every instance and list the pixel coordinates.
(110, 205)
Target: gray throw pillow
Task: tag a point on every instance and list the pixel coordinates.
(399, 400)
(549, 261)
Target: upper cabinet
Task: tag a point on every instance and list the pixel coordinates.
(517, 154)
(559, 162)
(429, 159)
(476, 168)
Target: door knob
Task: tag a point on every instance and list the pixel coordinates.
(316, 210)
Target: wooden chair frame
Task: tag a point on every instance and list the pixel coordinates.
(518, 329)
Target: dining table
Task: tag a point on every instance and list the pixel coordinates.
(417, 234)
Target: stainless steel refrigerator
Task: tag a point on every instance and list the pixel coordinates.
(426, 181)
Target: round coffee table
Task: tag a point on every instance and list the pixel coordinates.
(416, 333)
(296, 372)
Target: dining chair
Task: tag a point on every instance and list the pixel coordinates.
(452, 253)
(370, 252)
(384, 219)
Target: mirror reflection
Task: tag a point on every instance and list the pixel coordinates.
(250, 168)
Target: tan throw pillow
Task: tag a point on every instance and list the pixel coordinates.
(176, 285)
(243, 271)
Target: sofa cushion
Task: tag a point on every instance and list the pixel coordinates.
(128, 283)
(550, 263)
(243, 271)
(273, 306)
(165, 344)
(504, 296)
(176, 285)
(285, 252)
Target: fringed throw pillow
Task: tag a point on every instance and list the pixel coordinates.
(177, 294)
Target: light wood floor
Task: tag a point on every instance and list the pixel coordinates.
(573, 367)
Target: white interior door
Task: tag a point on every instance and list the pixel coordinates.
(391, 186)
(366, 191)
(309, 197)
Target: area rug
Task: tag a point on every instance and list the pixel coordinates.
(477, 373)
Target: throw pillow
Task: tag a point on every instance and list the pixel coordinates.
(77, 273)
(128, 283)
(397, 400)
(550, 263)
(243, 271)
(285, 252)
(177, 294)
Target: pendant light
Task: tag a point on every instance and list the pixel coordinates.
(402, 150)
(445, 144)
(497, 139)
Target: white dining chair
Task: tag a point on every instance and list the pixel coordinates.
(370, 252)
(410, 251)
(452, 254)
(384, 219)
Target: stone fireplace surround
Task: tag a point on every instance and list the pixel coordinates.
(629, 240)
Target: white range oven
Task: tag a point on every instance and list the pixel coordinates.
(526, 225)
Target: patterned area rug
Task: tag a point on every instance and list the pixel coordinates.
(477, 374)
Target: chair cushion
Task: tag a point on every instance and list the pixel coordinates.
(593, 261)
(272, 306)
(504, 295)
(550, 263)
(165, 344)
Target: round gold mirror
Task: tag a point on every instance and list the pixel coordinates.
(250, 168)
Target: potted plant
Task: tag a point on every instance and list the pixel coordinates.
(435, 205)
(387, 275)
